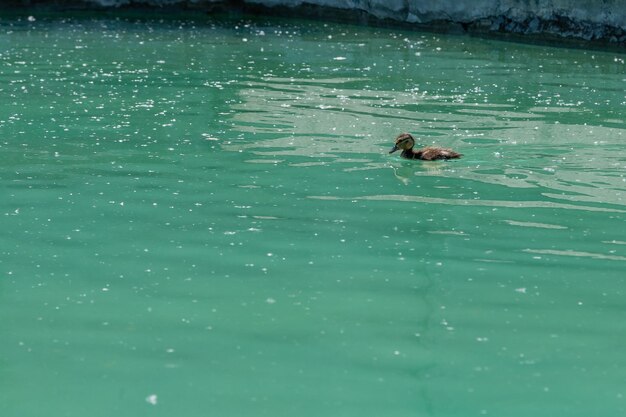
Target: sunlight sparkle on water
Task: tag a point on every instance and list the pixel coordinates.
(203, 215)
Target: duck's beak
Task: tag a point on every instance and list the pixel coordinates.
(395, 148)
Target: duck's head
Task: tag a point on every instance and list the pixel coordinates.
(404, 141)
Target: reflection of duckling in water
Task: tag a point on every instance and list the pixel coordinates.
(406, 172)
(406, 142)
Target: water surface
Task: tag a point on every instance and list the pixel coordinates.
(200, 218)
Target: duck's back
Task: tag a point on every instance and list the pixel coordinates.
(431, 153)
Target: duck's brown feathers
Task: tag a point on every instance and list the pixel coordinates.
(431, 153)
(406, 142)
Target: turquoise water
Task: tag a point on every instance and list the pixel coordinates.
(200, 218)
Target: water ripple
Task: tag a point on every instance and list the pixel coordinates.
(467, 202)
(576, 254)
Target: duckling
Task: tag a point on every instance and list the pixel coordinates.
(406, 142)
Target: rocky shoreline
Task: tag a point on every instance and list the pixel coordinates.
(567, 21)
